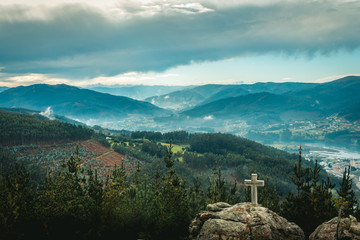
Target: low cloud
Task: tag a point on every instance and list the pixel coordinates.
(129, 78)
(79, 41)
(14, 80)
(48, 113)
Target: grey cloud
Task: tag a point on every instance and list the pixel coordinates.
(78, 41)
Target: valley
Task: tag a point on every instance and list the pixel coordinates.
(269, 113)
(121, 166)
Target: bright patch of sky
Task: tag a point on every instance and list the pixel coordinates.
(250, 69)
(271, 68)
(178, 42)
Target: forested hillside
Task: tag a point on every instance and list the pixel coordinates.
(157, 201)
(47, 114)
(18, 129)
(198, 154)
(157, 185)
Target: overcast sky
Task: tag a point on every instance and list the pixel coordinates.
(178, 42)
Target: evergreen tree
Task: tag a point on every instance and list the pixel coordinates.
(347, 193)
(301, 176)
(312, 205)
(217, 189)
(269, 197)
(173, 216)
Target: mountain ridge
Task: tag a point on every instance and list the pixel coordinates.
(319, 100)
(293, 102)
(75, 102)
(139, 92)
(251, 107)
(205, 94)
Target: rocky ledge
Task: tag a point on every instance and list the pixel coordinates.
(345, 229)
(242, 221)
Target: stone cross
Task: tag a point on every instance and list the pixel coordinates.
(254, 184)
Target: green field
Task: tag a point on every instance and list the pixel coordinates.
(175, 149)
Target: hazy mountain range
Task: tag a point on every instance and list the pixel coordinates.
(260, 103)
(183, 99)
(76, 103)
(139, 92)
(303, 102)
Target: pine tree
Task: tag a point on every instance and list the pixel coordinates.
(119, 178)
(312, 205)
(347, 193)
(269, 197)
(301, 178)
(173, 203)
(217, 189)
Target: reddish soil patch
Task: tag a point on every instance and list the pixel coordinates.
(111, 159)
(95, 147)
(104, 154)
(53, 155)
(32, 151)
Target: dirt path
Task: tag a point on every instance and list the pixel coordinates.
(104, 154)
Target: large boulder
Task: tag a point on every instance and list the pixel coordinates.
(242, 221)
(349, 228)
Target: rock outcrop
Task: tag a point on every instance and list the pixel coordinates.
(242, 221)
(349, 228)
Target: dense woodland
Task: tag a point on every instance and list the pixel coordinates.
(18, 129)
(167, 190)
(237, 157)
(77, 204)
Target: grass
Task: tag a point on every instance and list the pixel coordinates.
(175, 149)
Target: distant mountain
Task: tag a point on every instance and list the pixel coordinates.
(264, 107)
(76, 103)
(191, 97)
(177, 100)
(3, 89)
(278, 88)
(200, 95)
(351, 112)
(270, 87)
(340, 96)
(186, 98)
(333, 96)
(227, 92)
(136, 92)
